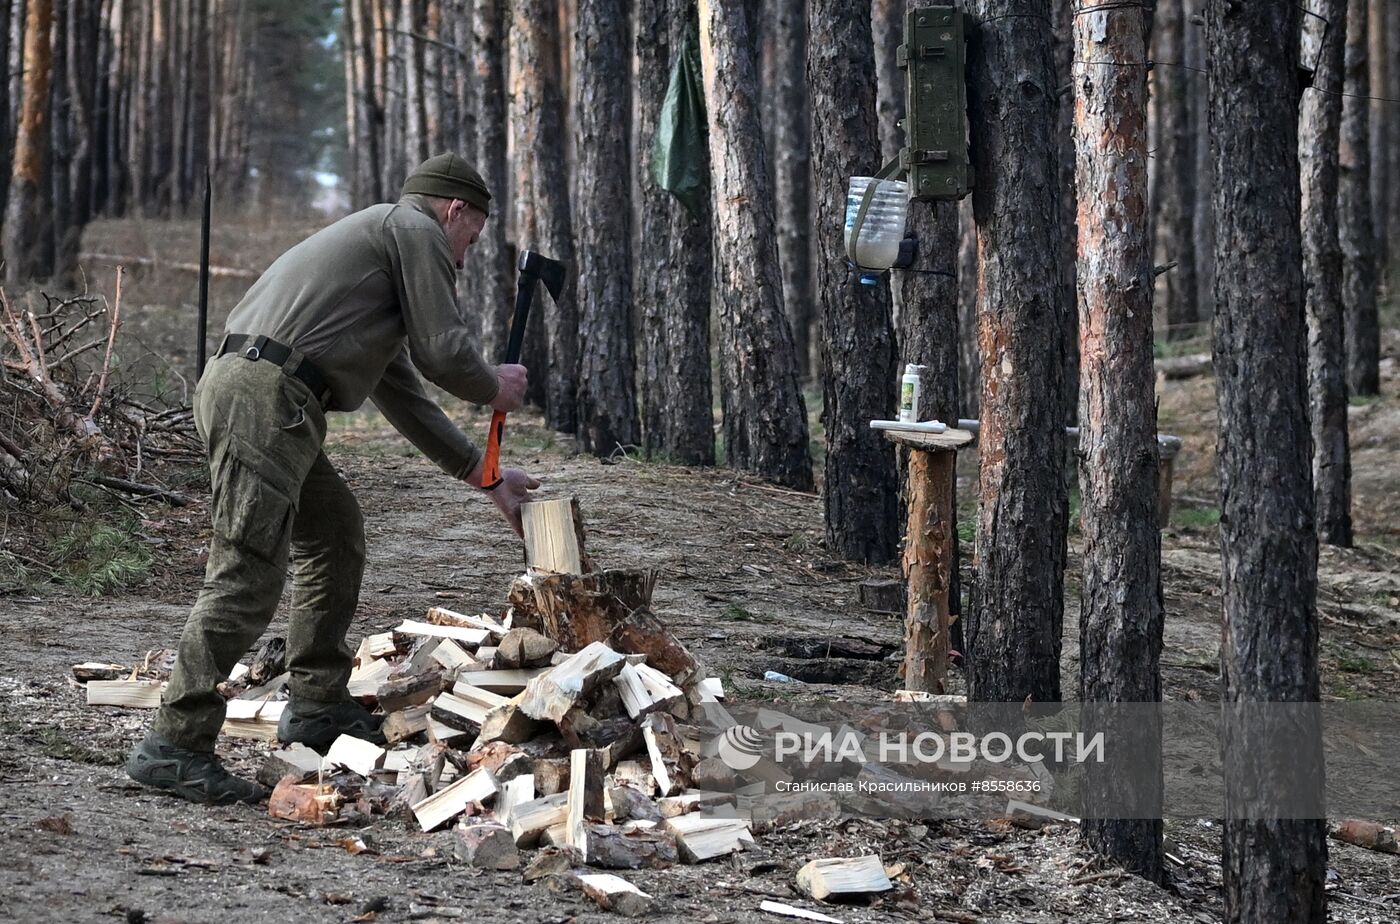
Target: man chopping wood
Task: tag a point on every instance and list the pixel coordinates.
(358, 310)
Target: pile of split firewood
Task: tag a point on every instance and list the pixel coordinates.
(571, 725)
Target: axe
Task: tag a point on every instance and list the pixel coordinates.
(533, 267)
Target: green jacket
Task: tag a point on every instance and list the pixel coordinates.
(367, 300)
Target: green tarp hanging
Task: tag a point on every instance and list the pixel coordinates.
(680, 157)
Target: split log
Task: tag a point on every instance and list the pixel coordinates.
(671, 763)
(585, 798)
(450, 801)
(610, 848)
(645, 689)
(454, 659)
(529, 820)
(355, 754)
(96, 670)
(136, 694)
(270, 661)
(310, 804)
(628, 804)
(613, 893)
(513, 793)
(379, 645)
(837, 877)
(692, 800)
(442, 616)
(296, 760)
(410, 690)
(506, 722)
(641, 632)
(1368, 834)
(701, 837)
(505, 682)
(252, 719)
(792, 911)
(470, 635)
(554, 536)
(486, 846)
(365, 680)
(553, 693)
(524, 647)
(404, 724)
(459, 712)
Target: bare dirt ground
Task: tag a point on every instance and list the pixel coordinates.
(740, 563)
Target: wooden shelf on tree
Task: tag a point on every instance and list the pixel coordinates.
(948, 440)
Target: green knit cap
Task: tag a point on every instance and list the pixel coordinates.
(449, 177)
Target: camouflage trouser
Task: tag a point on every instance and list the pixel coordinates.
(275, 495)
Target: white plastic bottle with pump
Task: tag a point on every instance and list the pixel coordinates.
(911, 387)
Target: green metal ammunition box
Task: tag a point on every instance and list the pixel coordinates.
(935, 125)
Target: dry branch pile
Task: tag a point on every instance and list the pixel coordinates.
(65, 414)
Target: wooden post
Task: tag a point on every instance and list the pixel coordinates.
(929, 556)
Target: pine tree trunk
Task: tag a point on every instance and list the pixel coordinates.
(1063, 19)
(415, 85)
(492, 286)
(1177, 173)
(57, 206)
(1121, 614)
(1382, 60)
(1320, 135)
(23, 246)
(858, 381)
(792, 176)
(673, 266)
(6, 128)
(607, 400)
(929, 320)
(542, 217)
(82, 80)
(1390, 126)
(1273, 869)
(969, 351)
(887, 33)
(765, 419)
(1013, 634)
(1359, 283)
(1203, 224)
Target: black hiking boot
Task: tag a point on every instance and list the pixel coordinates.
(317, 725)
(194, 775)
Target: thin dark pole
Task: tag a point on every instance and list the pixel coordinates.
(204, 274)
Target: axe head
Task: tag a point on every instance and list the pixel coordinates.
(550, 272)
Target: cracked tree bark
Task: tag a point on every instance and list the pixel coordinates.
(673, 266)
(1358, 232)
(1014, 633)
(857, 339)
(607, 398)
(1121, 613)
(1320, 136)
(543, 220)
(1273, 868)
(765, 419)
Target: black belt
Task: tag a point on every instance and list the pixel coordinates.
(291, 360)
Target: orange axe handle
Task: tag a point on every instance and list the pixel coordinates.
(491, 466)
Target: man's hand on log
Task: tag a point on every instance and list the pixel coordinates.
(513, 491)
